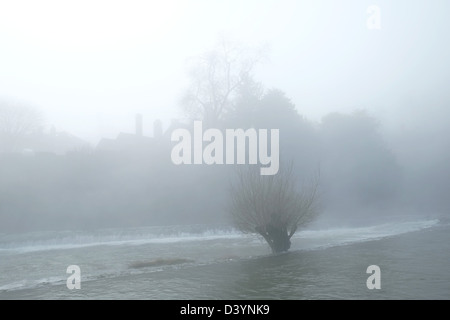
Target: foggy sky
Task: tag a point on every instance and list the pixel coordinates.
(91, 65)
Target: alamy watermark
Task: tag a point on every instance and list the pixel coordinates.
(374, 281)
(236, 146)
(374, 19)
(74, 280)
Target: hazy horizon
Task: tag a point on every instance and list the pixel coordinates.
(318, 129)
(91, 66)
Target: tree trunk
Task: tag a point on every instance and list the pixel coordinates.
(277, 238)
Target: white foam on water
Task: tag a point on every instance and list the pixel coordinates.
(327, 237)
(114, 239)
(32, 283)
(342, 236)
(306, 240)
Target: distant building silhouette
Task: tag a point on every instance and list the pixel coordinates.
(131, 143)
(139, 125)
(157, 129)
(56, 142)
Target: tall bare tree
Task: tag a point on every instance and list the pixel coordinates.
(272, 206)
(215, 79)
(17, 120)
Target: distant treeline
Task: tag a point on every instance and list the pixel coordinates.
(360, 175)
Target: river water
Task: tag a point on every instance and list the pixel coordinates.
(217, 262)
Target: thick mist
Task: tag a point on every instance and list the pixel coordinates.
(89, 100)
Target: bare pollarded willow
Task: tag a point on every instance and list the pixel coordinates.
(273, 206)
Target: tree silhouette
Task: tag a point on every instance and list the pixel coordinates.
(216, 77)
(17, 120)
(272, 206)
(357, 164)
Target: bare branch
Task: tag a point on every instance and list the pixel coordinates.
(272, 206)
(17, 120)
(215, 79)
